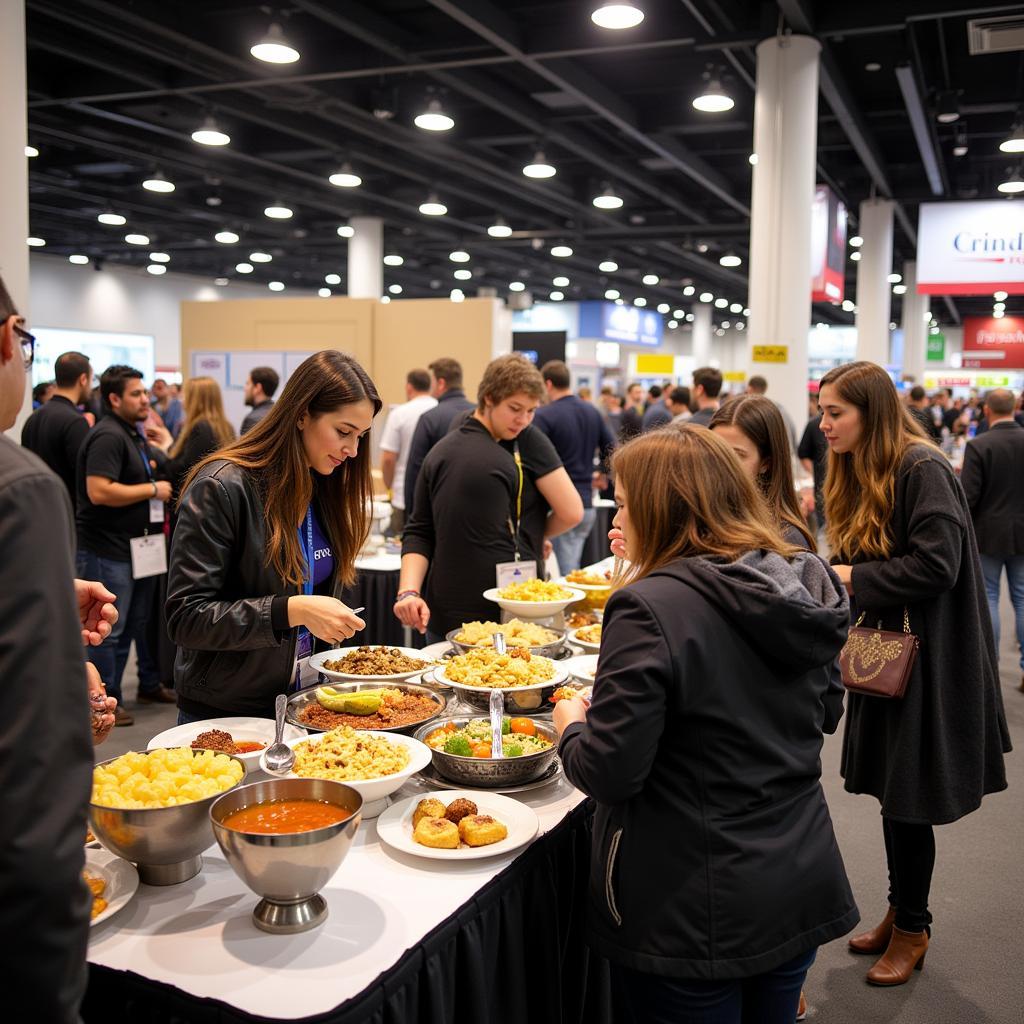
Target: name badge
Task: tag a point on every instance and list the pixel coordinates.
(514, 572)
(149, 556)
(302, 674)
(156, 510)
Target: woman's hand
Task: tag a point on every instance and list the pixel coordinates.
(845, 574)
(100, 705)
(618, 543)
(568, 711)
(326, 618)
(413, 612)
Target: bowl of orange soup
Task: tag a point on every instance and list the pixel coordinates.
(286, 838)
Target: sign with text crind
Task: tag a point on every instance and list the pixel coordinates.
(971, 248)
(769, 353)
(991, 344)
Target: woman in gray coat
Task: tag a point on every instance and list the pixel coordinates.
(901, 533)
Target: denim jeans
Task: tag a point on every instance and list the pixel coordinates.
(992, 569)
(134, 602)
(770, 998)
(569, 545)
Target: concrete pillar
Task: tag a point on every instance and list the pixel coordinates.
(785, 140)
(703, 331)
(14, 174)
(874, 290)
(366, 258)
(916, 314)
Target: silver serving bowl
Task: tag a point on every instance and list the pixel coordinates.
(303, 698)
(287, 870)
(488, 773)
(164, 842)
(550, 650)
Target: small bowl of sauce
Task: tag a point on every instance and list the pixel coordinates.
(284, 817)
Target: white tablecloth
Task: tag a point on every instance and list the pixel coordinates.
(199, 935)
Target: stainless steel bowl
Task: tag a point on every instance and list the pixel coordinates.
(287, 870)
(165, 842)
(550, 650)
(489, 773)
(519, 700)
(303, 698)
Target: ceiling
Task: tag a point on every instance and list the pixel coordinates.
(116, 88)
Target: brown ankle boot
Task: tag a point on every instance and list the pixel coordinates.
(905, 954)
(877, 939)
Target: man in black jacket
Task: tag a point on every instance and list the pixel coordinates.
(433, 425)
(993, 480)
(56, 430)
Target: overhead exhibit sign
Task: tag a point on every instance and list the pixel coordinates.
(828, 246)
(970, 248)
(629, 325)
(770, 353)
(993, 344)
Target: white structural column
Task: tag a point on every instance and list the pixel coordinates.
(14, 170)
(366, 258)
(916, 314)
(702, 329)
(874, 290)
(785, 141)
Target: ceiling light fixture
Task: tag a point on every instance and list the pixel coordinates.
(617, 16)
(895, 278)
(689, 318)
(159, 257)
(960, 142)
(705, 297)
(611, 294)
(156, 269)
(209, 133)
(244, 268)
(158, 183)
(345, 231)
(560, 282)
(640, 301)
(899, 289)
(848, 305)
(332, 278)
(434, 118)
(729, 259)
(324, 293)
(220, 282)
(855, 256)
(499, 229)
(260, 257)
(395, 289)
(112, 218)
(752, 159)
(688, 291)
(35, 241)
(457, 295)
(539, 167)
(736, 307)
(392, 259)
(433, 207)
(608, 266)
(561, 251)
(225, 237)
(677, 313)
(872, 65)
(137, 239)
(1015, 143)
(459, 256)
(31, 151)
(947, 111)
(650, 279)
(463, 275)
(608, 200)
(516, 286)
(78, 259)
(721, 303)
(663, 307)
(673, 324)
(273, 48)
(856, 241)
(714, 99)
(556, 296)
(1013, 183)
(345, 177)
(385, 299)
(276, 286)
(1000, 296)
(277, 211)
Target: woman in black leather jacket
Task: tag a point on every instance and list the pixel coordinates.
(268, 532)
(715, 873)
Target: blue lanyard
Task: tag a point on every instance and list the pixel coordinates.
(307, 542)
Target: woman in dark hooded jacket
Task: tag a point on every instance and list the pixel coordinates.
(715, 873)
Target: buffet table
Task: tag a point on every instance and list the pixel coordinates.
(374, 590)
(407, 940)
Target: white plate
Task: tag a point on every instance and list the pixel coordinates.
(317, 662)
(534, 609)
(560, 676)
(394, 826)
(258, 730)
(583, 667)
(121, 877)
(373, 791)
(585, 644)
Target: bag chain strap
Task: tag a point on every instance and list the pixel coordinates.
(906, 620)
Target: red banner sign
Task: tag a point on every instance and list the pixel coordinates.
(991, 344)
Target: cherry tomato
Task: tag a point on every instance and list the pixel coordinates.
(482, 750)
(523, 726)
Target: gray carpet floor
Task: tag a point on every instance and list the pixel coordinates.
(973, 973)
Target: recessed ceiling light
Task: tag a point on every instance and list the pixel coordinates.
(639, 301)
(1013, 184)
(463, 275)
(459, 256)
(31, 151)
(899, 289)
(244, 268)
(746, 313)
(345, 177)
(651, 279)
(516, 286)
(752, 159)
(702, 247)
(539, 167)
(385, 299)
(276, 286)
(35, 241)
(137, 239)
(677, 313)
(457, 295)
(689, 318)
(855, 256)
(1015, 143)
(607, 266)
(324, 293)
(273, 48)
(848, 305)
(736, 307)
(561, 251)
(705, 297)
(689, 290)
(220, 282)
(434, 118)
(225, 237)
(160, 257)
(345, 231)
(620, 302)
(332, 278)
(156, 269)
(714, 99)
(673, 324)
(729, 259)
(947, 109)
(112, 218)
(278, 212)
(726, 324)
(721, 303)
(260, 257)
(213, 200)
(872, 65)
(209, 133)
(79, 259)
(611, 293)
(158, 183)
(617, 16)
(556, 296)
(395, 289)
(392, 259)
(740, 325)
(663, 307)
(856, 241)
(607, 200)
(895, 278)
(560, 282)
(1000, 296)
(433, 207)
(499, 229)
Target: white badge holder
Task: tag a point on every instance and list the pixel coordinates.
(149, 556)
(156, 510)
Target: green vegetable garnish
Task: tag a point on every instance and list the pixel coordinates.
(513, 750)
(506, 726)
(459, 746)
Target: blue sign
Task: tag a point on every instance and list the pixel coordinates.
(629, 325)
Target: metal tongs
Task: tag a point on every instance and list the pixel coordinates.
(497, 703)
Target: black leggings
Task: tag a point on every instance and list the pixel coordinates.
(910, 852)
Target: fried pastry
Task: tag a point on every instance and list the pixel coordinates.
(437, 833)
(481, 830)
(458, 809)
(429, 808)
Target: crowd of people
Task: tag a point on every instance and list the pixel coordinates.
(223, 557)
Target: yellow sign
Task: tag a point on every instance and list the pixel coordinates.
(734, 375)
(770, 354)
(651, 365)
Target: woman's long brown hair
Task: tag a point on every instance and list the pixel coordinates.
(860, 485)
(689, 495)
(203, 401)
(273, 454)
(759, 418)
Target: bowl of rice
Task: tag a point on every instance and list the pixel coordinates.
(542, 640)
(525, 680)
(372, 763)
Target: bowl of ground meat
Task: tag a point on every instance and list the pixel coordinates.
(377, 663)
(401, 707)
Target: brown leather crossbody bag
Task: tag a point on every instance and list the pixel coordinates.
(878, 662)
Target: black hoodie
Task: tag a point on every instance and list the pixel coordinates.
(713, 853)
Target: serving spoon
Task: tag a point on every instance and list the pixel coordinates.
(279, 757)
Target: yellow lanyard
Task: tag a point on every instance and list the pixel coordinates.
(514, 529)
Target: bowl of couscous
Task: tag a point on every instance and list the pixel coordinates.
(534, 599)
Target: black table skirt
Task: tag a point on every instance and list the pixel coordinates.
(375, 591)
(596, 548)
(513, 953)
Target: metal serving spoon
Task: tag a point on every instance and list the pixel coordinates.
(497, 703)
(279, 757)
